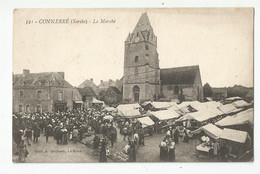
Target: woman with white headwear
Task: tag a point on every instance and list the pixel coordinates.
(171, 154)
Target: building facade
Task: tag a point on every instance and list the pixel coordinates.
(144, 80)
(141, 64)
(43, 92)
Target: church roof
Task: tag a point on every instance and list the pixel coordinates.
(44, 79)
(179, 75)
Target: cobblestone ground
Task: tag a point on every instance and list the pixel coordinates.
(78, 152)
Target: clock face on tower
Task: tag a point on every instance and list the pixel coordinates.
(136, 39)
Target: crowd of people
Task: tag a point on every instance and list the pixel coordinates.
(75, 125)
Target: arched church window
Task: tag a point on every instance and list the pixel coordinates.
(136, 89)
(136, 71)
(136, 59)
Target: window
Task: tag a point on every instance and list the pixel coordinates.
(136, 71)
(76, 97)
(60, 95)
(176, 90)
(20, 108)
(39, 95)
(21, 94)
(39, 109)
(27, 109)
(147, 55)
(146, 46)
(136, 59)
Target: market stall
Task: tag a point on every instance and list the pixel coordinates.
(229, 109)
(235, 142)
(97, 104)
(240, 104)
(164, 118)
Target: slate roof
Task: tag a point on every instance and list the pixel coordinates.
(45, 79)
(179, 75)
(87, 91)
(115, 89)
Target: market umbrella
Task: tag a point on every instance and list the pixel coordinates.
(108, 117)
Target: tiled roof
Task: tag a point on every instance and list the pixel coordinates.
(87, 91)
(87, 83)
(45, 79)
(179, 75)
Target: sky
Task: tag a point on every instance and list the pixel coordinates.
(219, 40)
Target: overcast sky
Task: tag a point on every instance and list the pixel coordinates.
(220, 41)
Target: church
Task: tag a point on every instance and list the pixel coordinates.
(143, 79)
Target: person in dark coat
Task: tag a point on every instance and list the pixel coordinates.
(141, 136)
(96, 142)
(36, 133)
(28, 135)
(185, 137)
(102, 156)
(171, 155)
(132, 153)
(58, 135)
(113, 135)
(48, 132)
(176, 135)
(163, 150)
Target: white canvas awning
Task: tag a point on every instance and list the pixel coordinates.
(165, 114)
(110, 109)
(146, 121)
(128, 106)
(211, 130)
(240, 104)
(228, 108)
(234, 135)
(78, 101)
(161, 105)
(108, 117)
(97, 101)
(244, 117)
(199, 116)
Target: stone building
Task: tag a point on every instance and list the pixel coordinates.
(144, 80)
(112, 96)
(88, 95)
(90, 83)
(40, 92)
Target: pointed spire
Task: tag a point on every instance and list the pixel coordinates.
(143, 23)
(143, 31)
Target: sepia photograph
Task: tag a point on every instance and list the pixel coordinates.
(133, 85)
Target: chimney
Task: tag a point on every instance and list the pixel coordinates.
(101, 81)
(62, 74)
(91, 79)
(26, 72)
(117, 80)
(110, 82)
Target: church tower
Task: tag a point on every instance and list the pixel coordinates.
(141, 63)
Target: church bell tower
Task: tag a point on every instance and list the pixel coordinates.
(141, 63)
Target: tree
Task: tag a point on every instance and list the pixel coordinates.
(207, 90)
